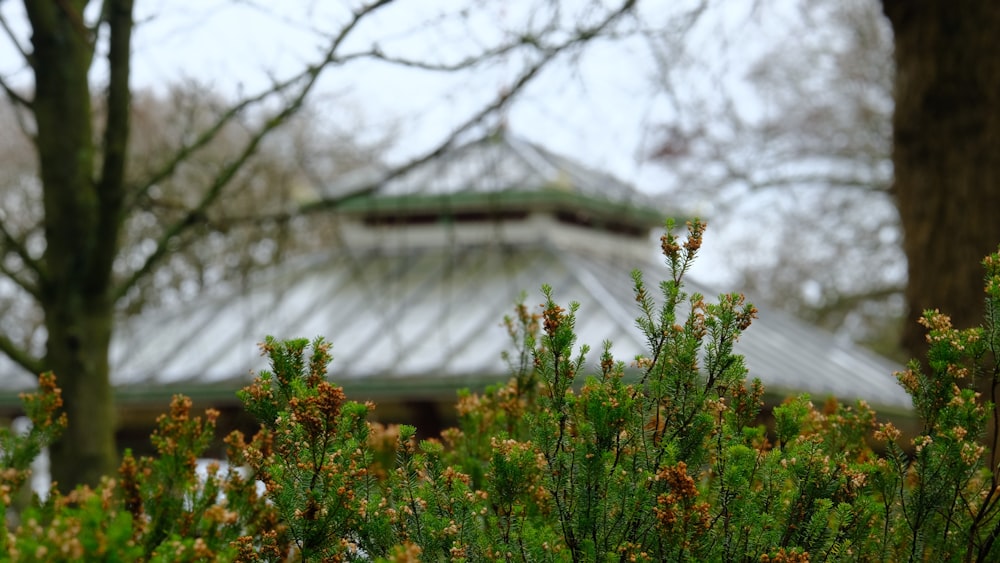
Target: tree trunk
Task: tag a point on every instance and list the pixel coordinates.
(946, 154)
(81, 230)
(78, 353)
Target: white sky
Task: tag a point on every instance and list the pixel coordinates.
(600, 109)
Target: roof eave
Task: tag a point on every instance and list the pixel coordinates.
(548, 200)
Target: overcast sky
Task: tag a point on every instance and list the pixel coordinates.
(602, 107)
(598, 108)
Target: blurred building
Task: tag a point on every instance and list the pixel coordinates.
(422, 269)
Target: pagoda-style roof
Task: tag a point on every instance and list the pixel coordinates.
(497, 176)
(422, 320)
(422, 269)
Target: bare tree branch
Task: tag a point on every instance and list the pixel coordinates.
(847, 301)
(19, 356)
(195, 215)
(834, 311)
(19, 103)
(208, 135)
(13, 39)
(183, 153)
(12, 94)
(800, 180)
(499, 103)
(111, 188)
(8, 243)
(21, 282)
(467, 62)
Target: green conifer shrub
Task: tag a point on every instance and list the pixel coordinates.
(660, 458)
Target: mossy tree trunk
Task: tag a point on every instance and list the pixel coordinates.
(946, 154)
(83, 194)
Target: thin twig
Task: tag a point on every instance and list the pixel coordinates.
(20, 356)
(14, 40)
(22, 282)
(8, 243)
(14, 97)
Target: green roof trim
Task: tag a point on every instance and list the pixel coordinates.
(550, 199)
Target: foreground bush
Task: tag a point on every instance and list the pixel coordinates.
(667, 463)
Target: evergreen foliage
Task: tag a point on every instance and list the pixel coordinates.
(662, 458)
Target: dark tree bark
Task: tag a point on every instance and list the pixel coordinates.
(946, 153)
(82, 221)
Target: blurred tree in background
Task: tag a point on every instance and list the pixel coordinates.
(868, 130)
(793, 164)
(88, 195)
